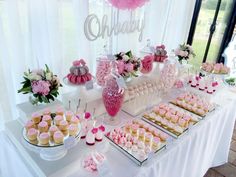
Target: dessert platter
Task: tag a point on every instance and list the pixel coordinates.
(217, 69)
(138, 140)
(51, 130)
(171, 119)
(194, 103)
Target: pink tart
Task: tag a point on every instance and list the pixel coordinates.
(74, 120)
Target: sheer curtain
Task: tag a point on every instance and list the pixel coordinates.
(35, 33)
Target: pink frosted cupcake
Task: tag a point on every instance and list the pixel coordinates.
(74, 120)
(58, 137)
(48, 119)
(63, 125)
(134, 129)
(168, 115)
(29, 124)
(43, 126)
(174, 118)
(155, 142)
(44, 138)
(53, 129)
(141, 133)
(47, 111)
(182, 122)
(162, 112)
(148, 138)
(69, 115)
(60, 111)
(163, 136)
(73, 129)
(58, 119)
(32, 134)
(36, 117)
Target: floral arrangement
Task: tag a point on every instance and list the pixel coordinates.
(147, 64)
(127, 64)
(124, 4)
(160, 53)
(42, 84)
(184, 52)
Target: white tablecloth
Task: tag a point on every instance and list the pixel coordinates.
(204, 146)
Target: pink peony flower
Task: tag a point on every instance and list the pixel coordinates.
(129, 67)
(41, 87)
(120, 66)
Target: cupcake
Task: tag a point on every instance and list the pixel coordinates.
(44, 138)
(53, 129)
(141, 133)
(182, 122)
(174, 118)
(168, 115)
(163, 136)
(155, 142)
(58, 119)
(69, 115)
(32, 134)
(36, 117)
(43, 126)
(58, 137)
(63, 125)
(73, 129)
(29, 124)
(47, 111)
(134, 129)
(74, 120)
(47, 119)
(148, 138)
(60, 111)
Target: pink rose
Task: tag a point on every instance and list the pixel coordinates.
(41, 87)
(129, 67)
(177, 52)
(120, 66)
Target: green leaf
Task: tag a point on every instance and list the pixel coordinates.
(45, 100)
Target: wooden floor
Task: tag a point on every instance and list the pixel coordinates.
(228, 169)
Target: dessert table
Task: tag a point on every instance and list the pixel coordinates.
(201, 147)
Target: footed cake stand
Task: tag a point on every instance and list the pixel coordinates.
(52, 151)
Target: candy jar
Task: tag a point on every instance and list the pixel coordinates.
(169, 75)
(103, 67)
(112, 96)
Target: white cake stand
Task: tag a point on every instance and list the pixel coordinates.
(49, 152)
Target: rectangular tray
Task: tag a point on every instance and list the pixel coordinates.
(130, 156)
(165, 128)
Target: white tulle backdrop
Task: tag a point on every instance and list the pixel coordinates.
(34, 33)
